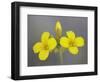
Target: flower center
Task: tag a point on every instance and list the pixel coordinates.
(46, 47)
(72, 43)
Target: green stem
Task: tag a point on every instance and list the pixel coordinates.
(61, 56)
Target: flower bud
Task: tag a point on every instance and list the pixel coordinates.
(58, 29)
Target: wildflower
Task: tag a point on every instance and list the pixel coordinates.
(71, 42)
(46, 45)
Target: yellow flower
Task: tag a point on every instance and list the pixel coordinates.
(72, 42)
(46, 45)
(58, 29)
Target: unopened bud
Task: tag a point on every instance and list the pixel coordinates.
(58, 29)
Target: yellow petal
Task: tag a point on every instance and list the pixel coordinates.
(45, 36)
(64, 42)
(58, 29)
(52, 43)
(71, 35)
(79, 41)
(73, 50)
(37, 47)
(43, 55)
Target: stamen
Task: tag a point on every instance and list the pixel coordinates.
(71, 43)
(46, 47)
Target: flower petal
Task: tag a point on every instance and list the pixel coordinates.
(43, 55)
(79, 41)
(73, 50)
(37, 47)
(71, 35)
(64, 42)
(52, 43)
(45, 36)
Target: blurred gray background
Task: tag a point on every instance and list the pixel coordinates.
(37, 24)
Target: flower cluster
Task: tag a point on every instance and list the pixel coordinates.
(49, 43)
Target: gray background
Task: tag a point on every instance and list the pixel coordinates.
(38, 24)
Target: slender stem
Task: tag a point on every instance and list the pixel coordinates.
(61, 56)
(60, 50)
